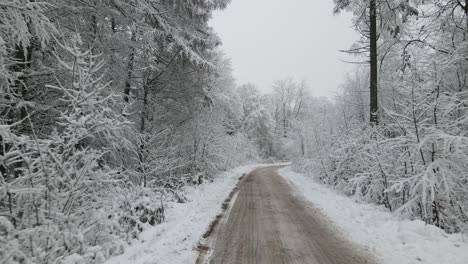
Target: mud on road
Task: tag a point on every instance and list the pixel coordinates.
(270, 223)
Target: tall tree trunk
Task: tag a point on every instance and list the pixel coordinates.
(23, 63)
(373, 63)
(466, 16)
(142, 146)
(144, 109)
(131, 59)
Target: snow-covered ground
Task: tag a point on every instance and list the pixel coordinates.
(392, 240)
(174, 241)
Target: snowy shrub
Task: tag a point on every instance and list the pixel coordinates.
(53, 184)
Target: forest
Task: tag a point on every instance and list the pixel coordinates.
(109, 108)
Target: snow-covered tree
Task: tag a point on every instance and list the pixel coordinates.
(107, 110)
(414, 161)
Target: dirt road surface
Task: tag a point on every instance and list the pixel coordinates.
(270, 223)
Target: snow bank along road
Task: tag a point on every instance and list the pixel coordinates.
(390, 238)
(270, 223)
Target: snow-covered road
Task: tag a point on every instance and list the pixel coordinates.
(270, 224)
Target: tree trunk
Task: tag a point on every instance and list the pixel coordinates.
(284, 121)
(302, 146)
(23, 58)
(373, 63)
(131, 59)
(144, 109)
(143, 116)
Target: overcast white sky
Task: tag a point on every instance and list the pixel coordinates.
(269, 40)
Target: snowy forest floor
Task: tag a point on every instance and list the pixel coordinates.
(390, 239)
(175, 241)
